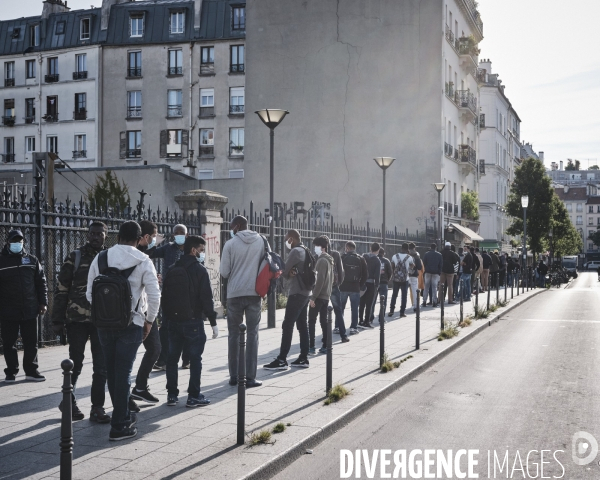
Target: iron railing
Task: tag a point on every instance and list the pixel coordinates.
(207, 151)
(8, 121)
(134, 72)
(51, 78)
(80, 75)
(174, 111)
(468, 155)
(175, 70)
(236, 109)
(207, 111)
(448, 149)
(79, 154)
(134, 112)
(8, 157)
(207, 69)
(30, 119)
(134, 152)
(467, 100)
(9, 82)
(237, 68)
(80, 114)
(51, 117)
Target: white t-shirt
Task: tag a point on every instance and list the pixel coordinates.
(401, 257)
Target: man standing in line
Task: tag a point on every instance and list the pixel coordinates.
(494, 269)
(336, 294)
(319, 298)
(384, 281)
(502, 270)
(296, 309)
(485, 273)
(355, 278)
(71, 310)
(457, 289)
(366, 301)
(467, 264)
(449, 261)
(403, 266)
(23, 296)
(432, 261)
(413, 276)
(479, 271)
(241, 257)
(120, 346)
(475, 269)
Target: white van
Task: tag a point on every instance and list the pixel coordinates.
(593, 265)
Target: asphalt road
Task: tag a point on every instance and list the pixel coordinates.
(527, 384)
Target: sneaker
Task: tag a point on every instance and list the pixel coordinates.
(117, 435)
(233, 382)
(391, 313)
(322, 350)
(133, 417)
(336, 330)
(312, 351)
(76, 413)
(368, 325)
(185, 365)
(300, 363)
(143, 395)
(9, 379)
(172, 400)
(36, 377)
(402, 315)
(133, 407)
(345, 339)
(98, 415)
(353, 331)
(423, 304)
(276, 364)
(252, 383)
(199, 401)
(361, 326)
(160, 366)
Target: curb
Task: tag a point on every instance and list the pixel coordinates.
(287, 457)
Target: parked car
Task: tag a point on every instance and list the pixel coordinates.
(593, 265)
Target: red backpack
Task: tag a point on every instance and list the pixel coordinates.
(270, 269)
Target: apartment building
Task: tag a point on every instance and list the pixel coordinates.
(583, 206)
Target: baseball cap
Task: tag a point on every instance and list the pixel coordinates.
(447, 244)
(14, 234)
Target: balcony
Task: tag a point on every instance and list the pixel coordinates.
(237, 68)
(9, 82)
(79, 154)
(450, 36)
(134, 72)
(467, 104)
(134, 153)
(456, 210)
(456, 154)
(449, 90)
(236, 109)
(134, 112)
(207, 69)
(467, 155)
(80, 114)
(469, 7)
(207, 112)
(51, 78)
(8, 157)
(236, 150)
(448, 150)
(468, 52)
(79, 75)
(51, 117)
(8, 121)
(30, 119)
(480, 75)
(207, 151)
(175, 70)
(174, 111)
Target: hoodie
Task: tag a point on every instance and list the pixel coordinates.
(324, 270)
(241, 259)
(295, 262)
(143, 281)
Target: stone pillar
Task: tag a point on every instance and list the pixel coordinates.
(210, 205)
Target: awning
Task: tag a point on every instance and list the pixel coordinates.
(467, 232)
(490, 245)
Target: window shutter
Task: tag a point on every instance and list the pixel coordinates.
(185, 140)
(164, 140)
(123, 145)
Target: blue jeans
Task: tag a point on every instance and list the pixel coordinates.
(336, 303)
(120, 349)
(296, 314)
(354, 303)
(188, 334)
(381, 290)
(466, 290)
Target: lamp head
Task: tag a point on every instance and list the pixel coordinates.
(439, 187)
(271, 117)
(384, 162)
(524, 201)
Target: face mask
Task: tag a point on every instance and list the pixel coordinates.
(288, 244)
(201, 257)
(15, 247)
(179, 239)
(317, 251)
(152, 243)
(232, 233)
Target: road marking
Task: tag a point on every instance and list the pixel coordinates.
(557, 320)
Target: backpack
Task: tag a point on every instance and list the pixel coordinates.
(270, 268)
(352, 270)
(400, 270)
(308, 276)
(177, 294)
(418, 263)
(111, 296)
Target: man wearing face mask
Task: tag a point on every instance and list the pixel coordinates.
(319, 299)
(23, 296)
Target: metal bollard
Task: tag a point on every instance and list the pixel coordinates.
(66, 425)
(488, 291)
(443, 289)
(518, 282)
(527, 280)
(512, 285)
(329, 376)
(462, 291)
(497, 288)
(418, 323)
(505, 288)
(241, 413)
(477, 294)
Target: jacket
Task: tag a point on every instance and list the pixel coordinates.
(143, 281)
(203, 303)
(23, 287)
(432, 261)
(386, 271)
(417, 272)
(495, 263)
(502, 260)
(347, 285)
(373, 268)
(295, 262)
(70, 303)
(467, 264)
(170, 253)
(487, 261)
(338, 268)
(240, 261)
(324, 270)
(480, 260)
(449, 259)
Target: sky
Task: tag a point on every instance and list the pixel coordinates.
(546, 53)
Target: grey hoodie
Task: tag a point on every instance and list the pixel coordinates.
(241, 259)
(293, 284)
(324, 268)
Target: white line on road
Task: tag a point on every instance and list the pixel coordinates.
(557, 320)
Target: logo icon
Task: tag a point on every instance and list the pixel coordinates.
(584, 444)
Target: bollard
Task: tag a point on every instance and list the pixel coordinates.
(512, 285)
(518, 282)
(66, 425)
(241, 413)
(488, 299)
(497, 288)
(443, 289)
(477, 295)
(418, 323)
(329, 376)
(527, 280)
(505, 288)
(462, 289)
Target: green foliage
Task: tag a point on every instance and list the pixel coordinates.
(336, 394)
(469, 205)
(262, 437)
(448, 332)
(387, 365)
(571, 165)
(565, 240)
(108, 189)
(595, 237)
(279, 428)
(480, 312)
(594, 167)
(281, 302)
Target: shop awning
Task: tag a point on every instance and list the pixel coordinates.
(467, 232)
(490, 245)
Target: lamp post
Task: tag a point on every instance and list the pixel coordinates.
(550, 235)
(438, 188)
(524, 204)
(271, 118)
(384, 163)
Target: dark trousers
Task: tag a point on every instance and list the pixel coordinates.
(354, 303)
(502, 277)
(164, 344)
(320, 311)
(181, 334)
(366, 303)
(79, 333)
(382, 289)
(336, 303)
(295, 315)
(494, 279)
(151, 355)
(120, 349)
(403, 288)
(10, 334)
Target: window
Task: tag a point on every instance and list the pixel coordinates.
(136, 25)
(236, 141)
(237, 59)
(174, 143)
(598, 220)
(135, 64)
(590, 221)
(174, 106)
(30, 69)
(236, 100)
(579, 220)
(207, 102)
(52, 75)
(80, 106)
(80, 67)
(9, 150)
(9, 107)
(590, 246)
(569, 207)
(84, 29)
(34, 35)
(175, 62)
(132, 146)
(134, 104)
(29, 144)
(205, 174)
(29, 110)
(237, 173)
(238, 18)
(177, 22)
(51, 109)
(207, 61)
(9, 74)
(598, 209)
(590, 208)
(207, 142)
(60, 28)
(52, 143)
(79, 148)
(580, 207)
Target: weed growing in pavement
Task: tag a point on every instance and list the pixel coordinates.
(279, 428)
(336, 394)
(288, 424)
(503, 303)
(450, 331)
(263, 437)
(493, 308)
(386, 365)
(480, 312)
(280, 302)
(466, 322)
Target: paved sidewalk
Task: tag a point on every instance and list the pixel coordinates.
(177, 442)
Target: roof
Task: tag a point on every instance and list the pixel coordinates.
(467, 232)
(572, 194)
(593, 201)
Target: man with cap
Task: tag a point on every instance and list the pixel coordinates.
(23, 296)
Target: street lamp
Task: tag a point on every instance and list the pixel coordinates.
(438, 188)
(524, 204)
(384, 163)
(550, 235)
(271, 118)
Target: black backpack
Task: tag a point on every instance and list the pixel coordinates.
(178, 294)
(351, 262)
(111, 296)
(308, 276)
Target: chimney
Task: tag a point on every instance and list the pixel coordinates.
(561, 165)
(566, 189)
(197, 14)
(541, 155)
(54, 6)
(106, 5)
(486, 64)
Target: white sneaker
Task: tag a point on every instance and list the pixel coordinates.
(336, 330)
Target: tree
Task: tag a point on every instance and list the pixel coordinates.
(595, 237)
(571, 165)
(108, 190)
(594, 167)
(469, 205)
(565, 238)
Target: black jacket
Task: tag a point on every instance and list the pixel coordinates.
(433, 262)
(476, 263)
(449, 259)
(373, 268)
(386, 270)
(487, 260)
(23, 287)
(467, 263)
(347, 285)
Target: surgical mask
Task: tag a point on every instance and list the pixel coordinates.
(152, 243)
(179, 239)
(201, 257)
(232, 233)
(15, 247)
(317, 251)
(288, 244)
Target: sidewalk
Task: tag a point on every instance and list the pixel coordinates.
(177, 442)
